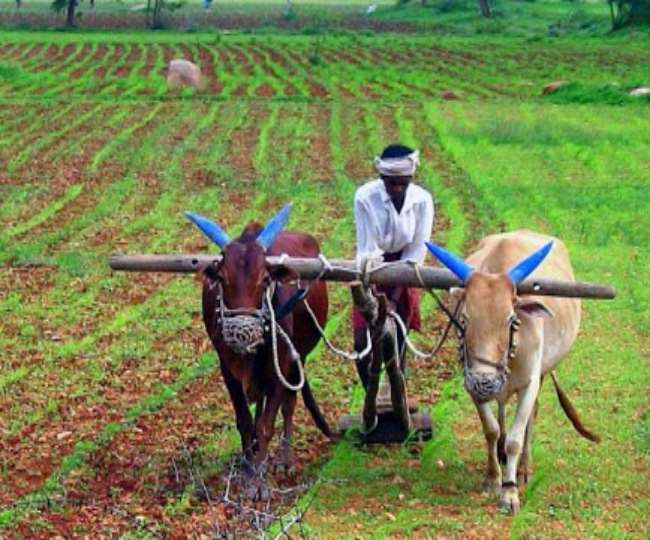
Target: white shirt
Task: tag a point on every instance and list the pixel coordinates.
(381, 229)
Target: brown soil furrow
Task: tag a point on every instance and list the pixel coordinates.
(318, 148)
(150, 62)
(96, 58)
(6, 49)
(81, 53)
(59, 124)
(280, 59)
(340, 56)
(243, 144)
(241, 59)
(53, 53)
(189, 53)
(116, 59)
(111, 169)
(316, 88)
(265, 90)
(135, 52)
(55, 160)
(273, 72)
(18, 51)
(28, 53)
(169, 53)
(101, 71)
(213, 86)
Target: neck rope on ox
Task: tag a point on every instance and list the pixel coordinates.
(243, 331)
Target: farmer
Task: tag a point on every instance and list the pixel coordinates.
(394, 217)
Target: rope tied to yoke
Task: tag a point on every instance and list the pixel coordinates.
(365, 273)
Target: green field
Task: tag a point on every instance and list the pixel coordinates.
(113, 415)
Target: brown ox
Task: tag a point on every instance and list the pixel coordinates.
(237, 318)
(508, 343)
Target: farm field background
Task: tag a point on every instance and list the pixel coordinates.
(113, 417)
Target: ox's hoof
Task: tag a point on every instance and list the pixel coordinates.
(284, 465)
(509, 499)
(524, 475)
(257, 490)
(491, 486)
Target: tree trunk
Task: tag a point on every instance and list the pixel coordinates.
(485, 8)
(69, 21)
(18, 3)
(157, 14)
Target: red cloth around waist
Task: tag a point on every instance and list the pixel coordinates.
(408, 304)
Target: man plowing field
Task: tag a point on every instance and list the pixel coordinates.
(394, 219)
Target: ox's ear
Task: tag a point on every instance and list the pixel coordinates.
(532, 308)
(282, 274)
(209, 272)
(274, 227)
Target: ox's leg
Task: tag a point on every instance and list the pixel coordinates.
(264, 429)
(514, 443)
(244, 419)
(525, 468)
(501, 445)
(288, 460)
(492, 483)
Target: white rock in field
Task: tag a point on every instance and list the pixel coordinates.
(183, 73)
(371, 9)
(641, 91)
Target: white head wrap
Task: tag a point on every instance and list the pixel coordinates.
(401, 166)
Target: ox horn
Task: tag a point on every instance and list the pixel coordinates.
(270, 232)
(526, 267)
(460, 268)
(209, 229)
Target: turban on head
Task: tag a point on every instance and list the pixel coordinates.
(398, 166)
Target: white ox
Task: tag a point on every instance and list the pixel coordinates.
(508, 343)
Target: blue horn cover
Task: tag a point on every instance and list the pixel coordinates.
(270, 232)
(209, 229)
(460, 268)
(526, 267)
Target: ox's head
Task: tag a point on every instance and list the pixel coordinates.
(242, 273)
(490, 313)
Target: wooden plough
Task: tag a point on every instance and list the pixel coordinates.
(388, 415)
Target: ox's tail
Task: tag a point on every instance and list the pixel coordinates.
(315, 412)
(571, 413)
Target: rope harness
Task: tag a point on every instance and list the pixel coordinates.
(244, 329)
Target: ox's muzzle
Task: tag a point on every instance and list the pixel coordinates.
(243, 329)
(243, 334)
(484, 386)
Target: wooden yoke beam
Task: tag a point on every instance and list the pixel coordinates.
(346, 271)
